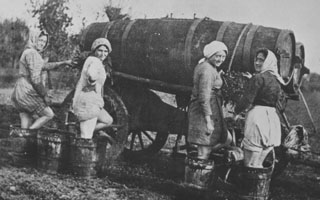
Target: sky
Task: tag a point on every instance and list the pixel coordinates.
(300, 16)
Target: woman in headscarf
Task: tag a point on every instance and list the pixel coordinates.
(88, 98)
(262, 130)
(30, 96)
(206, 127)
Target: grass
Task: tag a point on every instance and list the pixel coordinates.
(297, 114)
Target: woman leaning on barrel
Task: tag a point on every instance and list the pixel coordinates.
(262, 130)
(88, 98)
(206, 127)
(30, 96)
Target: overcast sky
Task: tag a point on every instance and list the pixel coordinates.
(300, 16)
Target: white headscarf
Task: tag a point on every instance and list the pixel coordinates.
(212, 48)
(270, 65)
(33, 38)
(101, 41)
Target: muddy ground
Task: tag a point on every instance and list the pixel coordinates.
(156, 177)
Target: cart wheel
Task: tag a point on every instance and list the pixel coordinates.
(117, 109)
(118, 133)
(144, 143)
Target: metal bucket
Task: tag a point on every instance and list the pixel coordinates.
(255, 182)
(20, 149)
(198, 172)
(53, 150)
(84, 157)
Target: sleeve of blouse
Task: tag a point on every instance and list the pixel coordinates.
(205, 87)
(34, 67)
(250, 94)
(51, 65)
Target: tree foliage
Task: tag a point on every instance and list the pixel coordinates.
(12, 41)
(114, 12)
(53, 18)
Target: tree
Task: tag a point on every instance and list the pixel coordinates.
(114, 11)
(12, 41)
(53, 18)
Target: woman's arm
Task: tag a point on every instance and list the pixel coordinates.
(53, 65)
(79, 86)
(206, 79)
(251, 91)
(204, 91)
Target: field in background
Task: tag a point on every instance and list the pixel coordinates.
(61, 82)
(297, 114)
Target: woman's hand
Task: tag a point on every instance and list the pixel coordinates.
(209, 124)
(69, 63)
(238, 117)
(221, 72)
(210, 127)
(247, 75)
(47, 100)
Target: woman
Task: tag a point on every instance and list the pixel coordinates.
(262, 129)
(206, 125)
(29, 96)
(88, 98)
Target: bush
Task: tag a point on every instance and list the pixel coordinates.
(8, 77)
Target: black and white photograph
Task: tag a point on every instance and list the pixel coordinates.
(159, 100)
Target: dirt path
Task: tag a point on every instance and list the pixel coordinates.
(27, 183)
(159, 177)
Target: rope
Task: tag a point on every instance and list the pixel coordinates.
(237, 44)
(283, 115)
(307, 108)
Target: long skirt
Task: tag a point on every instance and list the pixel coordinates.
(262, 129)
(197, 129)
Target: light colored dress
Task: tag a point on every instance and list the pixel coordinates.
(206, 100)
(88, 100)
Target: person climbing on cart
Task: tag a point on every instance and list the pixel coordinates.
(88, 104)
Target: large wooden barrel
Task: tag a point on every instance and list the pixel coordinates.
(300, 52)
(167, 50)
(299, 68)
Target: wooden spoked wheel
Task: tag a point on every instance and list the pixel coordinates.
(144, 143)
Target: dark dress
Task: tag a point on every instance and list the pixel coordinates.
(206, 100)
(262, 126)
